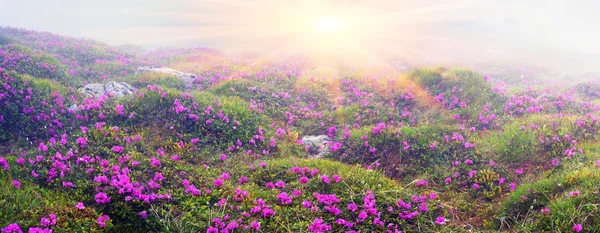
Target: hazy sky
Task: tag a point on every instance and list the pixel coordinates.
(547, 32)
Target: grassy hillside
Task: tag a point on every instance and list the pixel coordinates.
(432, 150)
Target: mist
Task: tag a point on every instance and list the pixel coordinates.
(557, 35)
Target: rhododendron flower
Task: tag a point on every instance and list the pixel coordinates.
(284, 198)
(102, 198)
(574, 193)
(143, 214)
(12, 228)
(577, 228)
(154, 161)
(352, 207)
(255, 225)
(421, 183)
(325, 179)
(279, 132)
(102, 220)
(39, 230)
(20, 161)
(120, 109)
(48, 221)
(319, 226)
(16, 184)
(118, 149)
(4, 163)
(223, 157)
(440, 220)
(267, 212)
(432, 146)
(336, 146)
(80, 205)
(218, 182)
(303, 180)
(336, 178)
(519, 171)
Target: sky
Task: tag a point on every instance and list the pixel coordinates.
(560, 34)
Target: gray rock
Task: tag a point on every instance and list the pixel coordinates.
(187, 77)
(119, 89)
(111, 89)
(318, 145)
(74, 108)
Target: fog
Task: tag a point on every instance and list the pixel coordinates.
(558, 35)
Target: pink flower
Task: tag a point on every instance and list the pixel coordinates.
(154, 161)
(12, 228)
(448, 180)
(82, 142)
(336, 146)
(48, 221)
(303, 180)
(519, 171)
(319, 226)
(336, 178)
(325, 179)
(223, 157)
(120, 109)
(3, 163)
(255, 225)
(440, 220)
(577, 228)
(16, 184)
(80, 206)
(218, 182)
(574, 193)
(102, 198)
(555, 162)
(432, 146)
(102, 220)
(143, 214)
(118, 149)
(284, 198)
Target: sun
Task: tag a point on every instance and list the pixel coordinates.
(328, 24)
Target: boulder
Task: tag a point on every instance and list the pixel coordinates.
(74, 108)
(188, 77)
(111, 89)
(318, 145)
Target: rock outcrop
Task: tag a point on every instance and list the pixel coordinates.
(185, 76)
(317, 145)
(111, 89)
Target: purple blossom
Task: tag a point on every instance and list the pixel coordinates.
(48, 221)
(102, 198)
(12, 228)
(16, 184)
(102, 220)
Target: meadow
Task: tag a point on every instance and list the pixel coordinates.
(434, 149)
